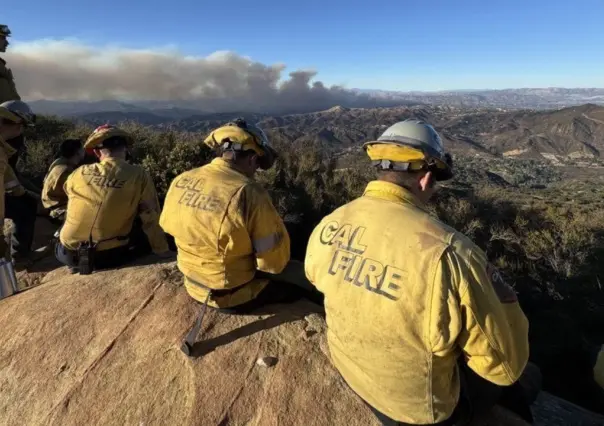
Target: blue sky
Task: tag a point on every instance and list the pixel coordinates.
(397, 44)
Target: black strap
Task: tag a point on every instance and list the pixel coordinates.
(391, 165)
(218, 292)
(120, 238)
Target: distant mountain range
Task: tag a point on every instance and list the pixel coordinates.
(572, 135)
(158, 112)
(538, 98)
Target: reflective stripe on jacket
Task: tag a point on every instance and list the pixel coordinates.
(405, 295)
(226, 228)
(104, 198)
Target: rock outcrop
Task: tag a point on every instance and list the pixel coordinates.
(104, 349)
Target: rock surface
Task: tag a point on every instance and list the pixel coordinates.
(104, 349)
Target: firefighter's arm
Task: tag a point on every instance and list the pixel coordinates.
(11, 88)
(8, 89)
(149, 211)
(313, 252)
(68, 185)
(270, 239)
(12, 185)
(54, 185)
(494, 330)
(3, 166)
(169, 211)
(29, 186)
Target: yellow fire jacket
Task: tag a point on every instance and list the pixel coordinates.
(53, 191)
(104, 199)
(405, 296)
(6, 151)
(12, 185)
(8, 91)
(226, 228)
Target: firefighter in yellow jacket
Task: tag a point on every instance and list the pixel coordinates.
(14, 117)
(22, 196)
(54, 198)
(406, 295)
(8, 90)
(112, 209)
(224, 223)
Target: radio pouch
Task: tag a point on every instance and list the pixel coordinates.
(86, 252)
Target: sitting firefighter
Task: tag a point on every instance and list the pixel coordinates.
(112, 210)
(54, 198)
(225, 225)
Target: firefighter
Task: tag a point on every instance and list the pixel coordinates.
(8, 90)
(54, 198)
(19, 204)
(14, 117)
(224, 223)
(406, 295)
(112, 208)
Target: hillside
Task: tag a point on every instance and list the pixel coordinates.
(104, 350)
(572, 135)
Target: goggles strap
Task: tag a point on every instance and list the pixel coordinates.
(391, 165)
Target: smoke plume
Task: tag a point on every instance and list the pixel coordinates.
(222, 81)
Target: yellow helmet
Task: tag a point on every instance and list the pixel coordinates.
(238, 135)
(102, 133)
(411, 145)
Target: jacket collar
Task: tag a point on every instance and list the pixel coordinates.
(223, 164)
(392, 192)
(114, 160)
(61, 162)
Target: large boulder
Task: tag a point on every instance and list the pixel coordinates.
(104, 349)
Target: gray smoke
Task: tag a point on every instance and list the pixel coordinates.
(223, 81)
